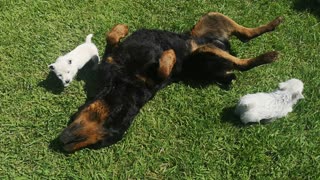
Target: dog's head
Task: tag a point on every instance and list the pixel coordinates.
(293, 86)
(86, 127)
(63, 70)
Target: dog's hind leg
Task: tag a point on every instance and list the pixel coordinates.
(166, 63)
(118, 32)
(239, 64)
(220, 26)
(113, 38)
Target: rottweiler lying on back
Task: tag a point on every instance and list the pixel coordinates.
(132, 71)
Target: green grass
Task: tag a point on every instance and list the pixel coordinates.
(184, 132)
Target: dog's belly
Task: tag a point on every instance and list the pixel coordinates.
(164, 39)
(143, 49)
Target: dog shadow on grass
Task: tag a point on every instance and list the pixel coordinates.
(227, 116)
(88, 74)
(202, 84)
(52, 84)
(56, 146)
(312, 6)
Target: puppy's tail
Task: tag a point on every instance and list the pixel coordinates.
(88, 38)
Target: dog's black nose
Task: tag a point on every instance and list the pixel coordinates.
(67, 81)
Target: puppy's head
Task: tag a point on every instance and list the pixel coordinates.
(63, 70)
(293, 86)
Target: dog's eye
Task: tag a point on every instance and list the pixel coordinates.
(69, 61)
(60, 75)
(68, 72)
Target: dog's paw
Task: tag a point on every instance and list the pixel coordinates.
(273, 24)
(269, 56)
(116, 34)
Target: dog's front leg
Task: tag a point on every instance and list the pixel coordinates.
(166, 63)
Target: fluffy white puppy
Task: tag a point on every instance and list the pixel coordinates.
(269, 106)
(67, 66)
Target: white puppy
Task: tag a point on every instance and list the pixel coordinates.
(67, 66)
(269, 106)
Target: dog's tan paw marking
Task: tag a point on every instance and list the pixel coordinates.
(276, 22)
(270, 56)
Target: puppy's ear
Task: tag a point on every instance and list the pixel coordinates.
(69, 61)
(282, 86)
(51, 67)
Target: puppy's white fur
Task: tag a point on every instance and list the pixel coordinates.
(269, 106)
(67, 66)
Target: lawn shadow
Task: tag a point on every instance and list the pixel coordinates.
(52, 84)
(227, 115)
(312, 6)
(56, 146)
(88, 74)
(202, 84)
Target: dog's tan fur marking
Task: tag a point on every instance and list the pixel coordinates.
(193, 45)
(142, 78)
(110, 60)
(118, 32)
(149, 82)
(166, 63)
(91, 121)
(220, 25)
(240, 64)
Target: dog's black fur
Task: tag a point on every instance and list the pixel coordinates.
(104, 120)
(140, 54)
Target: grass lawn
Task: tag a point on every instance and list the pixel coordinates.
(184, 132)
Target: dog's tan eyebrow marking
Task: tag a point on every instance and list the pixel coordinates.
(148, 81)
(142, 78)
(98, 110)
(90, 122)
(110, 60)
(193, 45)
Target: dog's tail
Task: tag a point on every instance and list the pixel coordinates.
(88, 38)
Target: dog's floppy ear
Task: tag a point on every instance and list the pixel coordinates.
(51, 67)
(69, 61)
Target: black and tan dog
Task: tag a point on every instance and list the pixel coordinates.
(134, 70)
